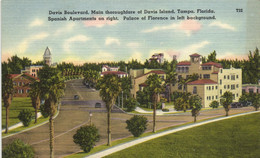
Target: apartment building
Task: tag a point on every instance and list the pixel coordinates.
(139, 76)
(158, 57)
(213, 80)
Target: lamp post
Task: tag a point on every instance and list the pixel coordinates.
(90, 116)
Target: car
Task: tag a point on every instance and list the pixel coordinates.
(98, 105)
(76, 97)
(246, 103)
(236, 105)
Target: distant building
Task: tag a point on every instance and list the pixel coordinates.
(157, 57)
(213, 80)
(32, 70)
(21, 84)
(108, 68)
(251, 88)
(112, 70)
(47, 57)
(139, 76)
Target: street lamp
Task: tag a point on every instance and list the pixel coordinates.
(90, 116)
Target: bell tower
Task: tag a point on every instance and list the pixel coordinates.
(47, 56)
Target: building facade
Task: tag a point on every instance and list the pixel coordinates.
(139, 76)
(157, 57)
(47, 57)
(213, 80)
(21, 83)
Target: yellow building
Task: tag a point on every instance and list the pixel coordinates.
(139, 76)
(213, 80)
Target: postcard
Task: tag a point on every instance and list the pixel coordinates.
(189, 49)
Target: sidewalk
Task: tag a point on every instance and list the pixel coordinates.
(144, 139)
(158, 111)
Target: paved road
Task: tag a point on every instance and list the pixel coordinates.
(71, 117)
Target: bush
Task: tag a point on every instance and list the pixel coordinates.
(18, 149)
(137, 125)
(214, 104)
(165, 110)
(86, 137)
(44, 110)
(25, 116)
(131, 104)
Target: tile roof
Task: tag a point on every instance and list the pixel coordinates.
(215, 72)
(182, 63)
(195, 55)
(114, 72)
(154, 71)
(202, 82)
(212, 64)
(15, 75)
(143, 84)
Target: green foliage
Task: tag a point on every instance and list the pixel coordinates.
(226, 100)
(18, 149)
(256, 101)
(195, 104)
(45, 110)
(214, 104)
(131, 104)
(91, 77)
(182, 101)
(137, 125)
(25, 116)
(86, 137)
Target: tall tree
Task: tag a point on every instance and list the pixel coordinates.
(195, 104)
(7, 92)
(110, 87)
(154, 85)
(256, 101)
(52, 88)
(226, 100)
(170, 80)
(35, 93)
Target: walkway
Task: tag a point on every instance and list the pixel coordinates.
(144, 139)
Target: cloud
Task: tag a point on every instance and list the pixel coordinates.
(36, 22)
(232, 56)
(69, 27)
(101, 56)
(111, 40)
(133, 45)
(136, 55)
(99, 23)
(77, 38)
(187, 26)
(222, 25)
(22, 47)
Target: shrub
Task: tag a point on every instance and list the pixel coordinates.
(18, 149)
(131, 104)
(86, 137)
(44, 110)
(214, 104)
(25, 116)
(165, 110)
(137, 125)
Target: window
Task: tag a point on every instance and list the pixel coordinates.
(251, 90)
(228, 86)
(216, 97)
(207, 76)
(33, 70)
(23, 83)
(27, 90)
(14, 83)
(194, 90)
(234, 97)
(220, 82)
(224, 76)
(233, 77)
(179, 77)
(237, 94)
(225, 86)
(237, 85)
(20, 83)
(209, 97)
(232, 86)
(212, 87)
(212, 97)
(216, 87)
(20, 91)
(237, 76)
(221, 92)
(221, 70)
(209, 88)
(228, 77)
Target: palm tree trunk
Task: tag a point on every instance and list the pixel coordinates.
(36, 114)
(51, 136)
(109, 127)
(6, 119)
(195, 118)
(154, 113)
(170, 90)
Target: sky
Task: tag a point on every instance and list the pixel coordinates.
(27, 32)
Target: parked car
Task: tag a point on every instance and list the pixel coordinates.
(76, 97)
(98, 105)
(246, 103)
(236, 105)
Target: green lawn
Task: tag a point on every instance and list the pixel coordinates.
(18, 104)
(236, 137)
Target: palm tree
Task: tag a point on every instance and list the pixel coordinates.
(7, 91)
(170, 79)
(226, 100)
(154, 85)
(52, 88)
(110, 87)
(195, 104)
(35, 97)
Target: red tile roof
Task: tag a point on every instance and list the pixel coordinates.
(154, 71)
(143, 84)
(15, 75)
(212, 64)
(202, 82)
(215, 72)
(114, 72)
(195, 55)
(182, 63)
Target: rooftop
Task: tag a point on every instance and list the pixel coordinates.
(202, 82)
(212, 64)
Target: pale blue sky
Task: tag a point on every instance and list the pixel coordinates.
(26, 30)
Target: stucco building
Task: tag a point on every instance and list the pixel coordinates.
(139, 76)
(213, 80)
(112, 70)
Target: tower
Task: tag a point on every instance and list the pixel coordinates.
(47, 56)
